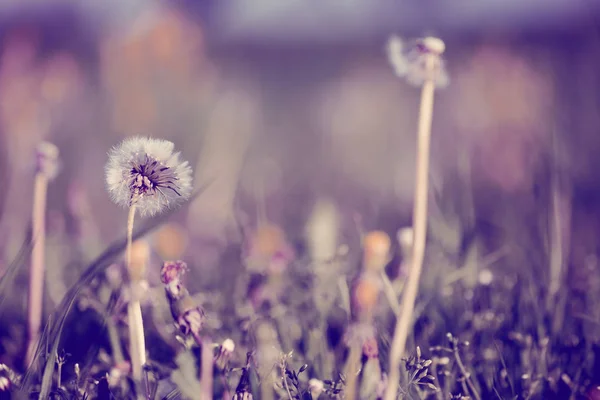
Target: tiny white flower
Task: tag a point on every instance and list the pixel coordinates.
(228, 345)
(410, 61)
(486, 277)
(315, 387)
(5, 378)
(4, 383)
(147, 173)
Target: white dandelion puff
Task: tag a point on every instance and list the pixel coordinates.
(410, 61)
(145, 172)
(144, 175)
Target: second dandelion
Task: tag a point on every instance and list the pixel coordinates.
(145, 175)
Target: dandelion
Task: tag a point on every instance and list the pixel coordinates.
(145, 175)
(188, 315)
(420, 65)
(410, 62)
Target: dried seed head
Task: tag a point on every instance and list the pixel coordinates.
(147, 173)
(47, 160)
(172, 271)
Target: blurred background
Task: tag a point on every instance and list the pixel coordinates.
(279, 103)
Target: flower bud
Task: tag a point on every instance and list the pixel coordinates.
(376, 250)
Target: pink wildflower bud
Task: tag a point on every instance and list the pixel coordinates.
(370, 348)
(172, 270)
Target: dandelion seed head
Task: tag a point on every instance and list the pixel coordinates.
(433, 45)
(147, 173)
(410, 62)
(47, 160)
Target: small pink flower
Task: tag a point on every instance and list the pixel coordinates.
(172, 270)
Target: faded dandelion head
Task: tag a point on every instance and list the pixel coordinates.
(145, 172)
(411, 61)
(47, 160)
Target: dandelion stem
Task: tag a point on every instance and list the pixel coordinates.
(36, 275)
(403, 323)
(206, 369)
(130, 218)
(351, 371)
(134, 311)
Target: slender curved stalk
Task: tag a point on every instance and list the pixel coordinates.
(404, 321)
(137, 345)
(36, 275)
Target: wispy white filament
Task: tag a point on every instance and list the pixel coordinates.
(145, 172)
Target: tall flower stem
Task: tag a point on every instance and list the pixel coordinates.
(36, 275)
(137, 345)
(404, 321)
